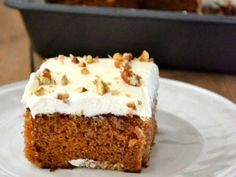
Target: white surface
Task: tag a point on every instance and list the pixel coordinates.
(197, 136)
(90, 102)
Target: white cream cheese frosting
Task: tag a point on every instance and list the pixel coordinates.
(89, 102)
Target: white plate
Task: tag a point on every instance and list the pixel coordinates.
(197, 136)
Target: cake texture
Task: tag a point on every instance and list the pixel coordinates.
(91, 112)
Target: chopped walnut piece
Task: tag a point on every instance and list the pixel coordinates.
(61, 58)
(64, 97)
(101, 86)
(85, 71)
(144, 57)
(131, 78)
(81, 89)
(127, 56)
(120, 59)
(82, 64)
(75, 60)
(46, 78)
(89, 59)
(128, 95)
(117, 57)
(40, 91)
(64, 80)
(117, 64)
(139, 102)
(131, 105)
(115, 92)
(71, 56)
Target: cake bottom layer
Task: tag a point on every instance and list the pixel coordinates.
(106, 141)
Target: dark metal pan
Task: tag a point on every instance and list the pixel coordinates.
(178, 40)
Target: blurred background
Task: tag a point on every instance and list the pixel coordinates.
(15, 59)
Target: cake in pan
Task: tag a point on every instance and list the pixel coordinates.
(92, 112)
(223, 7)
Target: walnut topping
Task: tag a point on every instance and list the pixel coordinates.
(46, 78)
(71, 56)
(144, 57)
(81, 89)
(101, 86)
(75, 60)
(64, 80)
(131, 105)
(127, 56)
(40, 91)
(128, 95)
(130, 77)
(85, 71)
(64, 97)
(89, 59)
(115, 92)
(139, 102)
(82, 64)
(61, 58)
(119, 59)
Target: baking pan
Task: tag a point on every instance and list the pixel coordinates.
(176, 39)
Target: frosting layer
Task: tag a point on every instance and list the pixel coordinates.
(72, 85)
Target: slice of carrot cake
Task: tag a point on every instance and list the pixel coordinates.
(91, 112)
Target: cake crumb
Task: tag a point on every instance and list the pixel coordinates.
(132, 142)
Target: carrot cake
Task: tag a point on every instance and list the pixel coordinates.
(91, 112)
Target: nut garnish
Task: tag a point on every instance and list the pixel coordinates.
(82, 64)
(71, 56)
(61, 58)
(81, 89)
(64, 97)
(40, 91)
(130, 77)
(127, 56)
(115, 92)
(85, 71)
(131, 105)
(101, 86)
(64, 80)
(139, 102)
(75, 60)
(46, 78)
(119, 59)
(89, 59)
(128, 95)
(144, 57)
